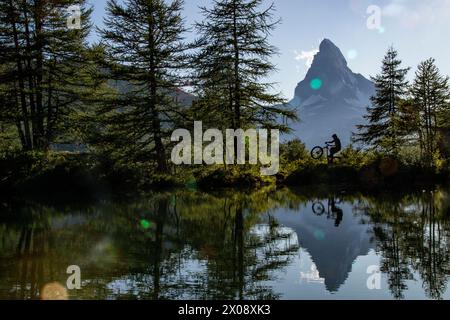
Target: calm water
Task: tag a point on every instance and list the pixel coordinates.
(265, 245)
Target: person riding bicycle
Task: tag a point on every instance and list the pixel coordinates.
(336, 147)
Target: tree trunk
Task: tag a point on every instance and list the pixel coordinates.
(23, 102)
(31, 87)
(156, 123)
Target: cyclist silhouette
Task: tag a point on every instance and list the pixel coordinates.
(336, 147)
(337, 212)
(333, 211)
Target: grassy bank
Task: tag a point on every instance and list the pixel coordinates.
(90, 176)
(76, 174)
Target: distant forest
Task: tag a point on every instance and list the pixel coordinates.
(104, 112)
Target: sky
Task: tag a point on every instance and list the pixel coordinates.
(418, 29)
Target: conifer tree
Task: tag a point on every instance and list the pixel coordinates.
(430, 93)
(145, 53)
(43, 71)
(382, 132)
(234, 61)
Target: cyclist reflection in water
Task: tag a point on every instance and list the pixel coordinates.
(337, 213)
(336, 146)
(332, 210)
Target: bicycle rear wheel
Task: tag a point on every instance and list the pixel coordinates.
(317, 153)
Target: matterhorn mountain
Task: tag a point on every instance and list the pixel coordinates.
(331, 99)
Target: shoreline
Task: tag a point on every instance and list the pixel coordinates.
(90, 176)
(82, 186)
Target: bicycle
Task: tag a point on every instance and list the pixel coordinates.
(318, 152)
(319, 208)
(332, 210)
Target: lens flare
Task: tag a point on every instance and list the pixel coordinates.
(145, 224)
(316, 84)
(389, 166)
(352, 54)
(54, 291)
(319, 235)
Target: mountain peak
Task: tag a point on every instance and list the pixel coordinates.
(330, 56)
(328, 45)
(337, 81)
(331, 98)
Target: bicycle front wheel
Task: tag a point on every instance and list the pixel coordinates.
(317, 153)
(318, 208)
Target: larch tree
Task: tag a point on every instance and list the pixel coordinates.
(382, 132)
(43, 70)
(430, 93)
(233, 64)
(145, 57)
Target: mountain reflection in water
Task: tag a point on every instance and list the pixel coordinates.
(269, 244)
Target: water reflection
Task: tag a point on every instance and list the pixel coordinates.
(333, 210)
(333, 237)
(270, 244)
(413, 236)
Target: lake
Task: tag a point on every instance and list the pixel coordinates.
(265, 244)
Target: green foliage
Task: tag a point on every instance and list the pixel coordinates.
(217, 177)
(9, 141)
(118, 99)
(145, 53)
(412, 128)
(232, 65)
(43, 68)
(411, 155)
(383, 130)
(354, 158)
(365, 169)
(430, 92)
(292, 151)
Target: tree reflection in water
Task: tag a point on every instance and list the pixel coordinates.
(231, 245)
(413, 235)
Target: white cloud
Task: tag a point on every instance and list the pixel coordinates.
(394, 9)
(411, 13)
(308, 56)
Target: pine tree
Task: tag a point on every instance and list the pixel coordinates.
(430, 92)
(42, 67)
(145, 53)
(383, 129)
(233, 62)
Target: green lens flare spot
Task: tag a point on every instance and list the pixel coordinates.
(145, 224)
(316, 84)
(319, 235)
(192, 184)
